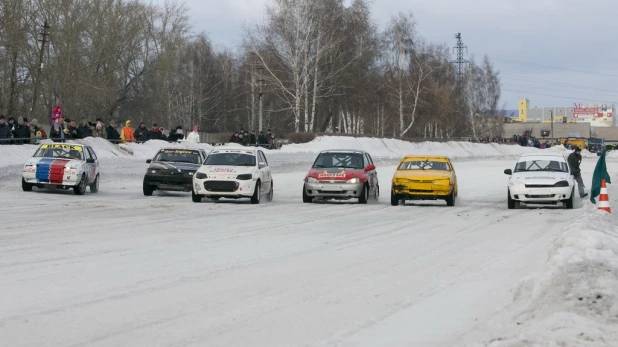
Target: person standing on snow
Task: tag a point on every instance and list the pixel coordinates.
(574, 161)
(127, 133)
(194, 136)
(112, 133)
(141, 134)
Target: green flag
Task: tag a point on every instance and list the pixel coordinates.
(600, 173)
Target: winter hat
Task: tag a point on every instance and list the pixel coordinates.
(34, 121)
(195, 128)
(20, 119)
(127, 122)
(142, 123)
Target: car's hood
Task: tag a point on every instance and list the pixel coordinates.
(422, 174)
(54, 161)
(327, 174)
(540, 177)
(225, 171)
(173, 166)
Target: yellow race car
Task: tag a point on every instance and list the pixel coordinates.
(424, 177)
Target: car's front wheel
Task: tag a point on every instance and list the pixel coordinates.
(306, 198)
(25, 186)
(568, 204)
(80, 188)
(195, 197)
(364, 195)
(450, 199)
(511, 204)
(257, 193)
(394, 199)
(147, 188)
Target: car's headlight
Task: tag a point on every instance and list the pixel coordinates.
(153, 171)
(29, 168)
(244, 177)
(562, 184)
(201, 176)
(312, 180)
(352, 180)
(442, 182)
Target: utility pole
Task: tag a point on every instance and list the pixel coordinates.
(460, 61)
(37, 81)
(551, 114)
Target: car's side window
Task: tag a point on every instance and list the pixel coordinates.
(367, 160)
(262, 157)
(86, 153)
(92, 154)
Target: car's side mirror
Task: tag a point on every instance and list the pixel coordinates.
(148, 161)
(370, 168)
(508, 172)
(90, 161)
(262, 164)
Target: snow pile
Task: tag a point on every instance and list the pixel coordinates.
(395, 149)
(575, 302)
(148, 149)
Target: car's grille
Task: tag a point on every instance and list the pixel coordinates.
(221, 186)
(343, 192)
(539, 185)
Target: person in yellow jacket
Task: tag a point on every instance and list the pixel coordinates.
(127, 133)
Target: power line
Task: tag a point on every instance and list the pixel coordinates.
(519, 62)
(556, 83)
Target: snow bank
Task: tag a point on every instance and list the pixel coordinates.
(575, 302)
(395, 149)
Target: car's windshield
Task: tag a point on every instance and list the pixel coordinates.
(542, 165)
(339, 160)
(178, 156)
(60, 151)
(230, 159)
(424, 165)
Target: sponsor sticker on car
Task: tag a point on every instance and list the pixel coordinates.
(69, 147)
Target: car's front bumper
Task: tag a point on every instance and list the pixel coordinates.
(170, 182)
(67, 179)
(422, 191)
(540, 195)
(334, 190)
(224, 188)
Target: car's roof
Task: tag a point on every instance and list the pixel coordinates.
(242, 149)
(542, 154)
(343, 151)
(410, 156)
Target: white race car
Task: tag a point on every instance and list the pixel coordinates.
(540, 178)
(63, 166)
(234, 172)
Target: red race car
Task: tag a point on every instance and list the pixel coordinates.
(342, 175)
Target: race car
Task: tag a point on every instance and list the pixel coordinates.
(342, 175)
(424, 177)
(234, 172)
(172, 169)
(62, 166)
(540, 178)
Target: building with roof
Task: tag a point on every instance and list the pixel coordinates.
(596, 115)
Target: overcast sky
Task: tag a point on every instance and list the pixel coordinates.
(553, 52)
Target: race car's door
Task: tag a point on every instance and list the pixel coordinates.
(264, 171)
(92, 167)
(372, 174)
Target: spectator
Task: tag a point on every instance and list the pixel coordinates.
(176, 134)
(194, 136)
(83, 130)
(155, 133)
(21, 132)
(99, 129)
(59, 131)
(271, 142)
(73, 132)
(246, 139)
(141, 133)
(235, 138)
(56, 114)
(262, 140)
(5, 132)
(241, 137)
(127, 133)
(112, 134)
(253, 138)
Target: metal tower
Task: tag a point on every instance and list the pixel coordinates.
(460, 61)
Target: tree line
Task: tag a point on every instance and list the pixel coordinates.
(310, 66)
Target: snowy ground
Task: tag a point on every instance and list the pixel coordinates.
(121, 269)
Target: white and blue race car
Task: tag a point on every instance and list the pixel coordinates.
(62, 166)
(540, 178)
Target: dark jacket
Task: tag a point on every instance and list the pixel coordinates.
(574, 159)
(73, 133)
(141, 134)
(83, 131)
(253, 139)
(56, 132)
(112, 134)
(262, 140)
(246, 141)
(5, 134)
(21, 134)
(155, 134)
(234, 139)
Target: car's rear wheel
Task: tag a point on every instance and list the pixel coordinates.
(147, 188)
(257, 193)
(450, 199)
(364, 195)
(394, 199)
(377, 194)
(94, 187)
(568, 204)
(195, 197)
(269, 197)
(80, 188)
(306, 198)
(25, 186)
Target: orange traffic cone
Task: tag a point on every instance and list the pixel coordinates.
(604, 198)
